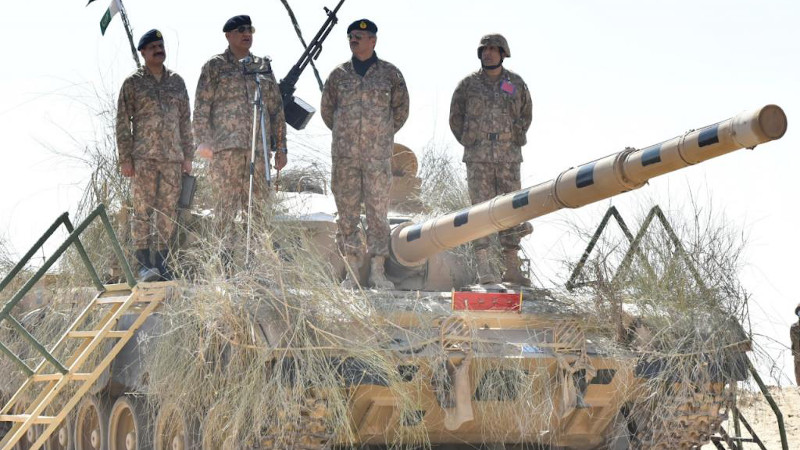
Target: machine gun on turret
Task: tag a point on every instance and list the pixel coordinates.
(297, 111)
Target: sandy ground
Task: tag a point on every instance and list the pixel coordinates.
(758, 413)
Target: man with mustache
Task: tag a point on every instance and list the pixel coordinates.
(490, 114)
(364, 103)
(154, 141)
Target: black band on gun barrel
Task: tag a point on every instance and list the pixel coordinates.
(708, 136)
(414, 233)
(585, 176)
(651, 155)
(461, 218)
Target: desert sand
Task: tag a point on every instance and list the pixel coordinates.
(757, 412)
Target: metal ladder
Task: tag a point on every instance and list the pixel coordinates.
(52, 376)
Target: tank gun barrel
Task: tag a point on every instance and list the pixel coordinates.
(412, 244)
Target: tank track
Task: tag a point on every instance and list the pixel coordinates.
(697, 418)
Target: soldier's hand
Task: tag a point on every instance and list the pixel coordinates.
(204, 151)
(186, 166)
(127, 169)
(280, 159)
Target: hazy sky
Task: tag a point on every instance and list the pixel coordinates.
(604, 75)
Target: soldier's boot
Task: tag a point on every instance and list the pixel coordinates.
(354, 265)
(486, 273)
(377, 274)
(146, 270)
(513, 274)
(161, 258)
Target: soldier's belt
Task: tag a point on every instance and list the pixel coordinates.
(497, 136)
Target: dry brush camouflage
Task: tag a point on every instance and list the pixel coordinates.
(153, 118)
(223, 108)
(364, 113)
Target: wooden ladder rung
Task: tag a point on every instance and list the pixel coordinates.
(92, 333)
(58, 376)
(25, 417)
(115, 299)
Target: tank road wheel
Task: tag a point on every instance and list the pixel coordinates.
(129, 425)
(62, 438)
(91, 424)
(175, 430)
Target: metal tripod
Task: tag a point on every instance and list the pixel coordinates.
(258, 118)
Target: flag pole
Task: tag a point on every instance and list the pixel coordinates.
(129, 33)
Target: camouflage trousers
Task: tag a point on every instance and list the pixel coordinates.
(353, 181)
(488, 180)
(156, 188)
(230, 178)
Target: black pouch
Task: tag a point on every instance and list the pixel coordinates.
(188, 186)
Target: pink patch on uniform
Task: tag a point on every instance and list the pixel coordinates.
(507, 87)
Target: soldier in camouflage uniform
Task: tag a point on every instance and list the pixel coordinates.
(154, 140)
(490, 114)
(364, 103)
(794, 335)
(223, 120)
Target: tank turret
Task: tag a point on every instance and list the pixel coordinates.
(412, 244)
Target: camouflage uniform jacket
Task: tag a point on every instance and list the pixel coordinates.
(153, 120)
(223, 105)
(794, 335)
(483, 112)
(365, 112)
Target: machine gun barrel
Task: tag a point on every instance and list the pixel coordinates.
(606, 177)
(296, 111)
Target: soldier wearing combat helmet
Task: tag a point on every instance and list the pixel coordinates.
(154, 141)
(794, 335)
(364, 103)
(490, 114)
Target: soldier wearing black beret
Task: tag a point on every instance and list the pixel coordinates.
(364, 25)
(151, 36)
(238, 21)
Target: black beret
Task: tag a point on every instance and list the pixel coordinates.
(363, 24)
(151, 36)
(235, 22)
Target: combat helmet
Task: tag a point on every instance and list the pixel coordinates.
(498, 41)
(796, 309)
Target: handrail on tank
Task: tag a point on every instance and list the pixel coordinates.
(73, 238)
(412, 244)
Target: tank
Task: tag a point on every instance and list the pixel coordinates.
(463, 366)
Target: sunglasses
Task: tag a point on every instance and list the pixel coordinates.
(357, 36)
(244, 28)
